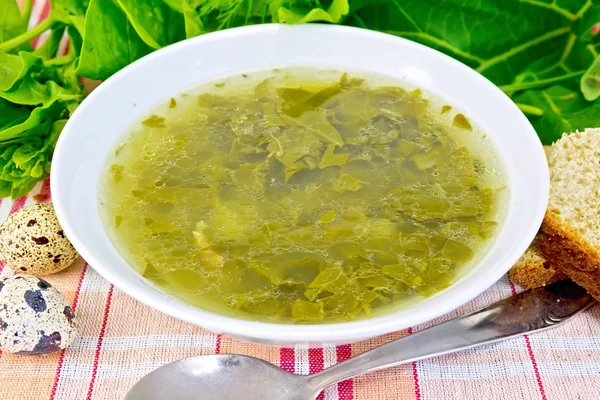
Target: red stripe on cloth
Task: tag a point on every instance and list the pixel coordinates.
(100, 339)
(415, 373)
(44, 195)
(65, 50)
(62, 354)
(18, 204)
(287, 359)
(218, 345)
(43, 16)
(416, 378)
(536, 370)
(36, 10)
(345, 388)
(315, 360)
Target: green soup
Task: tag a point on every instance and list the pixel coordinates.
(303, 195)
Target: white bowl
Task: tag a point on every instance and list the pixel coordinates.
(133, 92)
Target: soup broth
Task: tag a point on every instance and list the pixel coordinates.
(303, 196)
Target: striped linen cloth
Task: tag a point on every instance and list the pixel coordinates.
(121, 340)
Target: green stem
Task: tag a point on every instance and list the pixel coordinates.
(27, 36)
(59, 60)
(26, 10)
(531, 110)
(359, 20)
(541, 83)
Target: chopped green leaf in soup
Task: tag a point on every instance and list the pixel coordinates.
(303, 196)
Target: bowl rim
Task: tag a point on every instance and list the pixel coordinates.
(342, 332)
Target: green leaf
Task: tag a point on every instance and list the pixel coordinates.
(37, 90)
(192, 18)
(259, 305)
(298, 269)
(328, 216)
(154, 121)
(344, 303)
(291, 145)
(564, 110)
(347, 183)
(24, 120)
(460, 121)
(5, 187)
(293, 97)
(590, 82)
(407, 273)
(316, 123)
(330, 159)
(65, 75)
(303, 310)
(457, 251)
(10, 70)
(70, 7)
(202, 16)
(70, 12)
(299, 101)
(22, 165)
(110, 42)
(332, 279)
(334, 14)
(31, 92)
(12, 23)
(25, 79)
(15, 67)
(295, 167)
(176, 5)
(11, 115)
(155, 22)
(57, 127)
(24, 154)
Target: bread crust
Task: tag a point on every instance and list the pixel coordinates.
(533, 270)
(534, 275)
(569, 253)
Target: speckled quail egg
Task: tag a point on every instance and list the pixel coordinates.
(32, 241)
(35, 318)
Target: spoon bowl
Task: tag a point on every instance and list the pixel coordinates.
(224, 377)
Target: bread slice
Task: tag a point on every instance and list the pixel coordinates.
(533, 271)
(570, 233)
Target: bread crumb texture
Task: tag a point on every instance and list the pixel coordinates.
(570, 234)
(575, 183)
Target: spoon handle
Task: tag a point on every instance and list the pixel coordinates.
(530, 311)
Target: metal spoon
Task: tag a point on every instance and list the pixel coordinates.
(228, 376)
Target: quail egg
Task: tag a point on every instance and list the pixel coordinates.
(35, 318)
(32, 241)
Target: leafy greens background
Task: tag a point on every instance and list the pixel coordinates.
(542, 53)
(511, 42)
